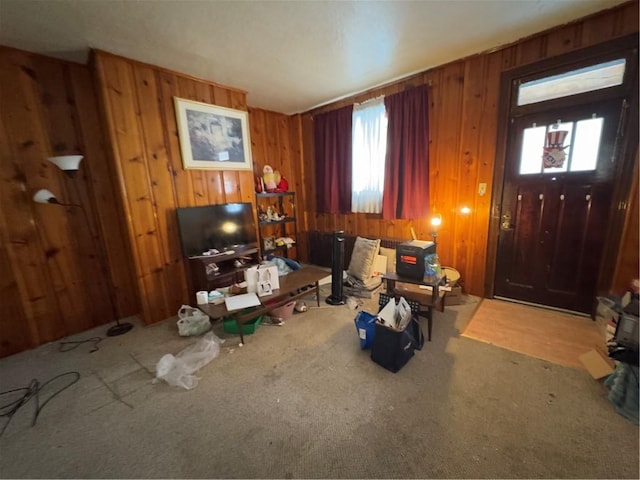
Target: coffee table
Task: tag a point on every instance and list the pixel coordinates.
(294, 285)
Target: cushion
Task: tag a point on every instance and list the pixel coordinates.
(361, 264)
(390, 253)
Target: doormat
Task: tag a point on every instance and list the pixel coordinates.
(556, 337)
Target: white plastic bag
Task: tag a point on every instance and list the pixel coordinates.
(179, 370)
(192, 321)
(396, 315)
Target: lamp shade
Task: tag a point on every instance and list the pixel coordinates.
(67, 162)
(44, 196)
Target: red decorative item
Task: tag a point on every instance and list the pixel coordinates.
(258, 184)
(283, 185)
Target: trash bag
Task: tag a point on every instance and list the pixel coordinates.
(179, 370)
(192, 321)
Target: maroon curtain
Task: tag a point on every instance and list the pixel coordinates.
(332, 137)
(406, 173)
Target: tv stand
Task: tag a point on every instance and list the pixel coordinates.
(204, 276)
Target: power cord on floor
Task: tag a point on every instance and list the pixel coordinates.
(70, 345)
(9, 409)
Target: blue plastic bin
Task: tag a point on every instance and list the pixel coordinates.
(366, 328)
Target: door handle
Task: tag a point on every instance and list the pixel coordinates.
(505, 224)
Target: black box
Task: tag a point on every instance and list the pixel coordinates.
(410, 258)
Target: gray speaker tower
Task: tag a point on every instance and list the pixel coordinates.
(337, 266)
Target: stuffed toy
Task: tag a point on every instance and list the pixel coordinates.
(270, 183)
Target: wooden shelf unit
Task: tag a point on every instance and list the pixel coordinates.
(273, 229)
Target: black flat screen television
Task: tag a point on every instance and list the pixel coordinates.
(222, 227)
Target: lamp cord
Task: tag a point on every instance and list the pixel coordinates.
(8, 410)
(70, 345)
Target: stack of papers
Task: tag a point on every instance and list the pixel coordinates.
(238, 302)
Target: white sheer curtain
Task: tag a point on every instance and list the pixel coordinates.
(369, 149)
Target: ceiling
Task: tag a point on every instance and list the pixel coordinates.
(290, 56)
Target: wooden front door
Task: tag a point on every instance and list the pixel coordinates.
(555, 215)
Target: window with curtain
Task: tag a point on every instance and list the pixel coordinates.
(374, 157)
(369, 148)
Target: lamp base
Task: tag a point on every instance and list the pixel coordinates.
(119, 329)
(331, 300)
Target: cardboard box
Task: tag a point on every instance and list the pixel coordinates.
(379, 265)
(454, 297)
(419, 293)
(597, 364)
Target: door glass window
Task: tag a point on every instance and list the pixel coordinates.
(586, 144)
(561, 147)
(532, 140)
(588, 79)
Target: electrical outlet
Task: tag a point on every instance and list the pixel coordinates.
(482, 189)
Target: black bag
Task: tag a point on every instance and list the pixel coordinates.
(392, 349)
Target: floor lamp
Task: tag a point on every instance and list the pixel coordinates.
(70, 164)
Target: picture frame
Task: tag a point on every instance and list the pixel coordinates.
(212, 137)
(269, 243)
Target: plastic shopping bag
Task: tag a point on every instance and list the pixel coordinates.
(192, 321)
(365, 325)
(179, 370)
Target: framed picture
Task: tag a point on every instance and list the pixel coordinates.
(212, 137)
(269, 243)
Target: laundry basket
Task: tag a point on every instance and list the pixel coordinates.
(285, 311)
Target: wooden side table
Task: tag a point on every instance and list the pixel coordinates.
(430, 297)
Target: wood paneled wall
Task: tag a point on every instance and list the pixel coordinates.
(139, 113)
(275, 141)
(58, 272)
(463, 120)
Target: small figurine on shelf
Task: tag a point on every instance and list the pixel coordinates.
(271, 213)
(262, 215)
(212, 269)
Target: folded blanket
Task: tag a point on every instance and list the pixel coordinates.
(362, 289)
(369, 284)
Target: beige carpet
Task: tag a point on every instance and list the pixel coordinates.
(549, 335)
(303, 400)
